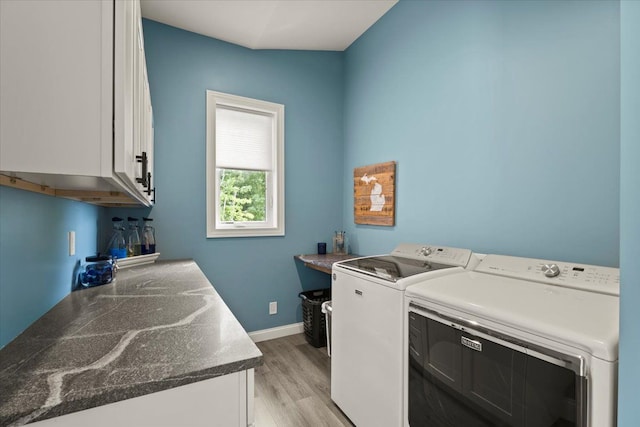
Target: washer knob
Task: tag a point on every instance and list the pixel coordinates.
(426, 251)
(551, 270)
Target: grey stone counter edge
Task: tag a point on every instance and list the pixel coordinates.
(156, 327)
(323, 262)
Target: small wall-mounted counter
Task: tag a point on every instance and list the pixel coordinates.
(323, 262)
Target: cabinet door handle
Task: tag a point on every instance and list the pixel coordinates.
(144, 160)
(149, 190)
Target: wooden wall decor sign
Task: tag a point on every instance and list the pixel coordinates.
(374, 194)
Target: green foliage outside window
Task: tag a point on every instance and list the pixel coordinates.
(242, 195)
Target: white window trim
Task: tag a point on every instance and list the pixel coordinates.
(243, 230)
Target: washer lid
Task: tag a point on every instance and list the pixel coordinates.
(584, 320)
(391, 268)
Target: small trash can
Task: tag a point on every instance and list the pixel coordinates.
(326, 309)
(313, 317)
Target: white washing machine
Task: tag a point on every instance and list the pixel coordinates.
(517, 342)
(368, 318)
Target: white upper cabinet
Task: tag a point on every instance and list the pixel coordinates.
(75, 107)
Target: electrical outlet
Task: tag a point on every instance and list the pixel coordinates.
(72, 243)
(273, 307)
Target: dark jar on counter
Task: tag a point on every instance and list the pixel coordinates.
(96, 270)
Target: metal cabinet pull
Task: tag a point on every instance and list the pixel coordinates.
(149, 190)
(144, 160)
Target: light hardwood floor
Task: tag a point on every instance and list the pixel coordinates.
(292, 387)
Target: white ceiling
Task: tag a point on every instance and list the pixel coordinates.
(272, 24)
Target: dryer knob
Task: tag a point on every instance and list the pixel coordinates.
(551, 270)
(426, 251)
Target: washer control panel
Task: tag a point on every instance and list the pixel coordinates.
(439, 254)
(604, 280)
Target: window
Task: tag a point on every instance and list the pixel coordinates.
(245, 166)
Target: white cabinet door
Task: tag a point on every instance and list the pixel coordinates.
(124, 160)
(222, 401)
(130, 148)
(147, 142)
(57, 87)
(73, 107)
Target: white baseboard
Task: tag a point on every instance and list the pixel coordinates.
(278, 332)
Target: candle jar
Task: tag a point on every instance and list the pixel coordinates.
(96, 270)
(340, 243)
(322, 248)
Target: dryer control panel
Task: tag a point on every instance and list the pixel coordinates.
(604, 280)
(442, 254)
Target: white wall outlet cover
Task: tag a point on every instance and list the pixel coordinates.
(72, 243)
(273, 307)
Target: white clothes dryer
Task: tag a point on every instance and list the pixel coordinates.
(368, 318)
(517, 342)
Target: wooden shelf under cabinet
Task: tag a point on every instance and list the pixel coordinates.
(94, 197)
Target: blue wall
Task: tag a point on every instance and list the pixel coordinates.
(247, 272)
(35, 269)
(503, 118)
(629, 410)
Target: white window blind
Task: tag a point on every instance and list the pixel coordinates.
(243, 139)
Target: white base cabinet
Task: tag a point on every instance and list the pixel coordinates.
(75, 105)
(221, 401)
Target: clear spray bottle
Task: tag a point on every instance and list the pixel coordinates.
(117, 245)
(148, 237)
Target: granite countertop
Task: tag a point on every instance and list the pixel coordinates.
(323, 262)
(155, 327)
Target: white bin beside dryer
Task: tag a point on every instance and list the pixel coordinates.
(326, 310)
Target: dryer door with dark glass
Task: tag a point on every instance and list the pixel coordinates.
(459, 377)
